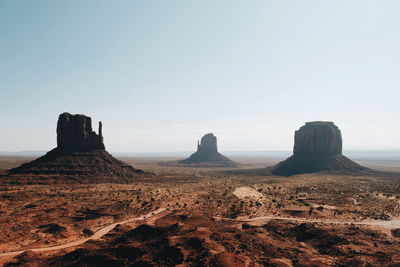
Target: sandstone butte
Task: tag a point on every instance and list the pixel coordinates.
(207, 154)
(80, 152)
(317, 147)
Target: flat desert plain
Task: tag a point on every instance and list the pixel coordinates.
(186, 216)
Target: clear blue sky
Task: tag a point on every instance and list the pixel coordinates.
(160, 74)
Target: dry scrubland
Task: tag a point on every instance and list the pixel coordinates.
(211, 219)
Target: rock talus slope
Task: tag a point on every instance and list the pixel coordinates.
(207, 154)
(318, 147)
(79, 152)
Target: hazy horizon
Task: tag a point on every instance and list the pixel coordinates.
(278, 154)
(161, 74)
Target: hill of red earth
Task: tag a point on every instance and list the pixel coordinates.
(336, 164)
(95, 163)
(207, 155)
(189, 238)
(80, 155)
(209, 159)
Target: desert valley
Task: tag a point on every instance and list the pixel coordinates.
(225, 133)
(79, 206)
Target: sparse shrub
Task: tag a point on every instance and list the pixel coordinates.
(310, 211)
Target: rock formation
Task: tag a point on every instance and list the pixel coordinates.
(208, 144)
(207, 154)
(80, 153)
(318, 138)
(317, 147)
(74, 133)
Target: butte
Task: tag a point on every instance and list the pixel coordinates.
(80, 155)
(317, 147)
(207, 154)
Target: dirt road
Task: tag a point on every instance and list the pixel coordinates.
(101, 232)
(385, 224)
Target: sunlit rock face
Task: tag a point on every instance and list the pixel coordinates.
(318, 138)
(317, 147)
(74, 133)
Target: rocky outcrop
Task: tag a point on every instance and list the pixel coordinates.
(74, 133)
(208, 144)
(79, 155)
(207, 154)
(318, 147)
(318, 139)
(92, 166)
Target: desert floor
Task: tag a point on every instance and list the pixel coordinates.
(204, 217)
